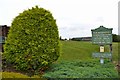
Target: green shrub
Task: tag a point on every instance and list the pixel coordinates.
(81, 69)
(33, 40)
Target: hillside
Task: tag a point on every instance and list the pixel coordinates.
(82, 50)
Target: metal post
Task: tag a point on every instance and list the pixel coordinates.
(111, 52)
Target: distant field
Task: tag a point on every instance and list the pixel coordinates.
(82, 50)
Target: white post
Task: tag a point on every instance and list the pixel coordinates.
(101, 60)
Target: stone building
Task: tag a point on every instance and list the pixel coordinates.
(3, 34)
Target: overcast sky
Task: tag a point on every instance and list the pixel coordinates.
(75, 18)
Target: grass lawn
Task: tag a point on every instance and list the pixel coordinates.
(81, 50)
(17, 75)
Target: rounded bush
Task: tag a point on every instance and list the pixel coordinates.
(33, 40)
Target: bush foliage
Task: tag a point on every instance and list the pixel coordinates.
(33, 40)
(81, 69)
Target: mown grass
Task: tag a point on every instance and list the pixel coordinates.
(13, 75)
(16, 75)
(82, 50)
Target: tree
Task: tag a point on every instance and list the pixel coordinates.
(116, 38)
(33, 40)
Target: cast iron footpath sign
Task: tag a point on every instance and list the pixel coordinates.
(102, 36)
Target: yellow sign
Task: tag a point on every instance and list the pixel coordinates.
(101, 48)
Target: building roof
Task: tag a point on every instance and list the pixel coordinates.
(101, 28)
(4, 26)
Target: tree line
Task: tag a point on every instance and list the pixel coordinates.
(116, 38)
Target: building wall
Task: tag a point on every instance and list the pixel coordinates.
(82, 39)
(3, 34)
(4, 30)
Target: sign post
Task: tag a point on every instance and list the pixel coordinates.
(102, 36)
(101, 50)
